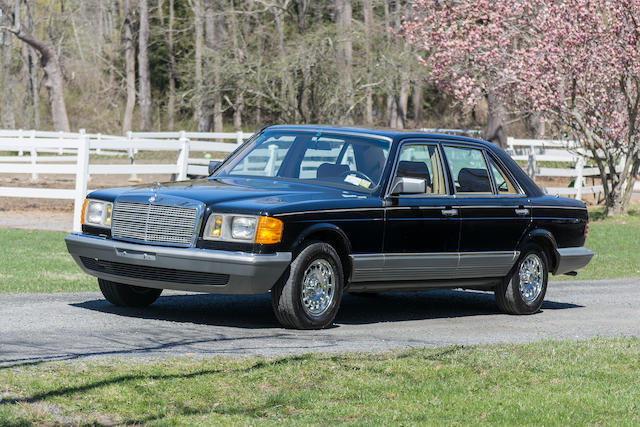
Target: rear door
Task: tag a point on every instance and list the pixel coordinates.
(494, 212)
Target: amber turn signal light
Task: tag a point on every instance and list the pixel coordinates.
(269, 230)
(84, 208)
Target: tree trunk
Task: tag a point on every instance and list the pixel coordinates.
(144, 76)
(344, 56)
(392, 110)
(287, 86)
(238, 55)
(6, 81)
(403, 100)
(212, 104)
(367, 9)
(536, 126)
(171, 107)
(199, 114)
(495, 132)
(34, 87)
(417, 100)
(237, 112)
(171, 72)
(130, 68)
(52, 71)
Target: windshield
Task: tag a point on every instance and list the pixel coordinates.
(347, 161)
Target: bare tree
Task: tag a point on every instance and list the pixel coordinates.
(495, 131)
(345, 54)
(7, 86)
(130, 67)
(30, 58)
(144, 76)
(171, 73)
(49, 61)
(367, 9)
(214, 33)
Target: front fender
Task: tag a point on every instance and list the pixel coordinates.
(321, 228)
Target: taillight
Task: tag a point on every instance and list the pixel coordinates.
(586, 230)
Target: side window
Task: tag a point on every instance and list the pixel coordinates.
(468, 170)
(422, 161)
(503, 183)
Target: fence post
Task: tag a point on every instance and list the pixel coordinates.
(183, 157)
(531, 166)
(239, 139)
(510, 149)
(20, 152)
(271, 164)
(61, 148)
(82, 171)
(579, 173)
(132, 157)
(34, 156)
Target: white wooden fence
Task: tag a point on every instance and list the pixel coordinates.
(68, 154)
(62, 153)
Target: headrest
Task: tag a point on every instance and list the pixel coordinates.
(474, 180)
(331, 170)
(414, 170)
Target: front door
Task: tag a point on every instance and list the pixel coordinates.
(422, 230)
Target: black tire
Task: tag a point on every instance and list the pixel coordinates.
(128, 295)
(287, 293)
(509, 297)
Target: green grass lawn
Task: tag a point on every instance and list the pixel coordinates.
(594, 382)
(616, 245)
(37, 261)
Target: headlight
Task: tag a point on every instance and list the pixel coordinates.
(236, 228)
(243, 227)
(97, 213)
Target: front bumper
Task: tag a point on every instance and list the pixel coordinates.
(189, 269)
(572, 259)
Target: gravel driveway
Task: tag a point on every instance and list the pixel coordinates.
(36, 327)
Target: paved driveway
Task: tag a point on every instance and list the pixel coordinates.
(35, 327)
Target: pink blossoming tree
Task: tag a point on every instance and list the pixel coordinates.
(576, 62)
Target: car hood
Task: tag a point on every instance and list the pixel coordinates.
(239, 194)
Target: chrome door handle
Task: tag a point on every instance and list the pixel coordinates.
(522, 212)
(449, 212)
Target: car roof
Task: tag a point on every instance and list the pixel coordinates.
(393, 134)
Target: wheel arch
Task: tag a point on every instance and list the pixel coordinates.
(544, 239)
(333, 235)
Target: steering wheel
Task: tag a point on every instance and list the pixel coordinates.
(359, 174)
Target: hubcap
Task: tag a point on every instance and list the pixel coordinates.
(318, 287)
(531, 278)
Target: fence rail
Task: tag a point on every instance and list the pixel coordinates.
(67, 153)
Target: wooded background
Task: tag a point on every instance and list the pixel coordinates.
(117, 65)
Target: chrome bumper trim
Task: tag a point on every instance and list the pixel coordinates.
(571, 259)
(249, 273)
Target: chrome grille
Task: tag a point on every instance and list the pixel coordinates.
(153, 223)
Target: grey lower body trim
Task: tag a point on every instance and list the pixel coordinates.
(571, 259)
(431, 266)
(248, 273)
(483, 284)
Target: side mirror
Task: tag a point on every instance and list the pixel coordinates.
(406, 185)
(213, 165)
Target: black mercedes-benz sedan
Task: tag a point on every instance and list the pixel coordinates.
(307, 213)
